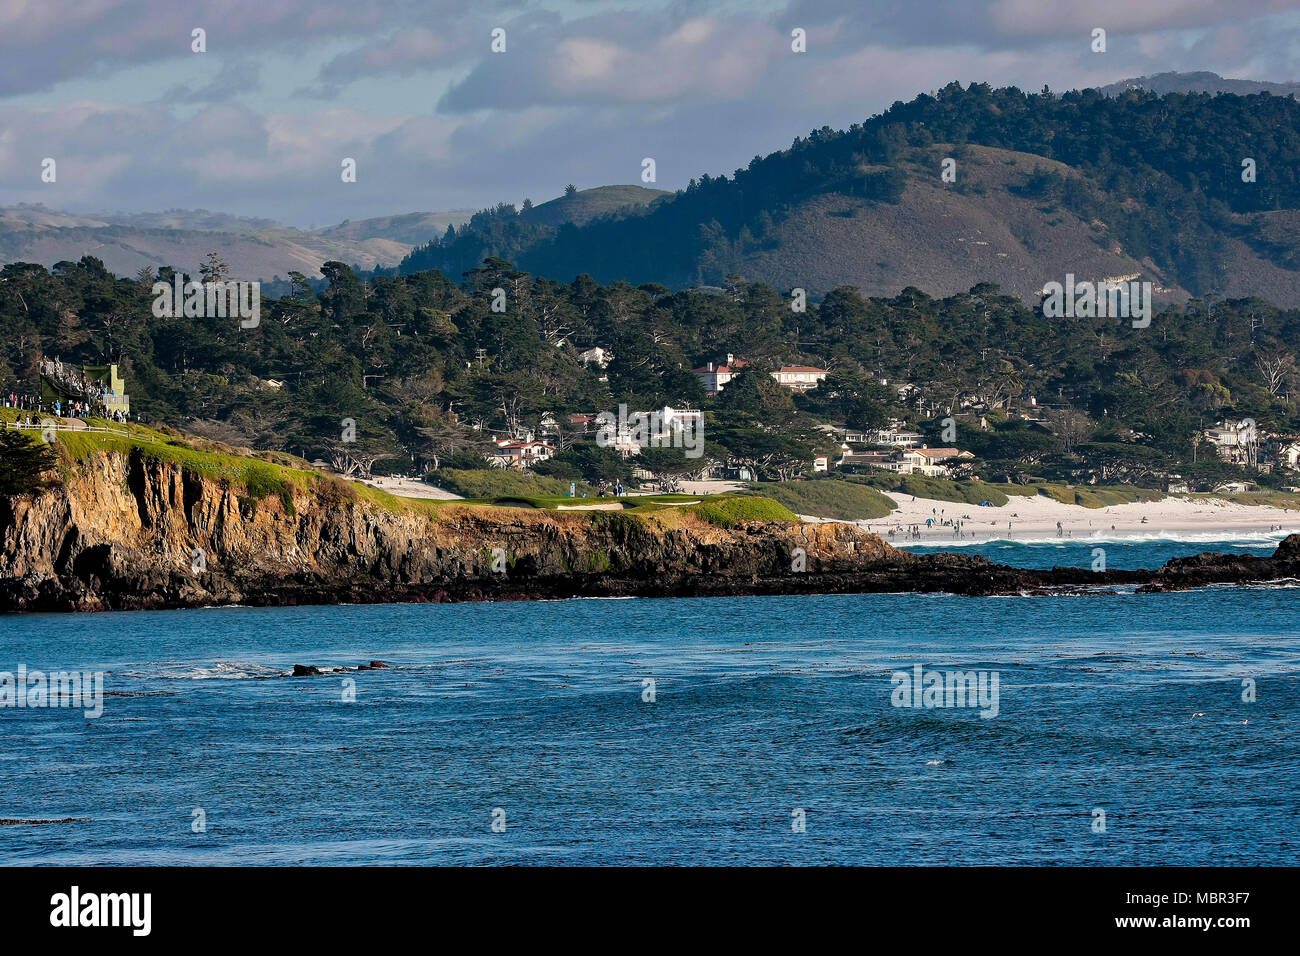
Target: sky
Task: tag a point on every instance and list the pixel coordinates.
(260, 122)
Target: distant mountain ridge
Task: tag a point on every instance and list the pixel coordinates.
(197, 220)
(260, 248)
(1199, 82)
(255, 248)
(505, 231)
(410, 228)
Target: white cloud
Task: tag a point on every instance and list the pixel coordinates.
(701, 87)
(622, 59)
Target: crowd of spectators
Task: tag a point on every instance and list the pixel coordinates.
(95, 399)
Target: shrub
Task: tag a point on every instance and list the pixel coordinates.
(262, 480)
(332, 492)
(728, 511)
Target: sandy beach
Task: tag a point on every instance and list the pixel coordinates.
(409, 488)
(711, 486)
(1035, 519)
(1020, 519)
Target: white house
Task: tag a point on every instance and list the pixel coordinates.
(597, 356)
(680, 417)
(1235, 441)
(520, 454)
(885, 460)
(1235, 487)
(800, 378)
(896, 436)
(926, 461)
(1232, 434)
(1288, 454)
(714, 378)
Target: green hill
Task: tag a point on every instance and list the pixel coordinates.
(1093, 184)
(587, 204)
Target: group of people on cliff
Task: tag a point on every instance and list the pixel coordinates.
(95, 401)
(61, 409)
(75, 380)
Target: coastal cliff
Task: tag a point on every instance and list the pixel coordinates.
(130, 530)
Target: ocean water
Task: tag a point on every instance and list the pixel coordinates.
(767, 713)
(1127, 552)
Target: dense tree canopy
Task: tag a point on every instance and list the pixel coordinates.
(426, 371)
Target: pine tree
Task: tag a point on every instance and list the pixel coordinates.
(23, 462)
(215, 269)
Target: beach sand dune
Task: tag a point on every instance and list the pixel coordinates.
(1035, 518)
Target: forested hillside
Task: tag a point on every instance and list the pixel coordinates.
(1077, 181)
(416, 360)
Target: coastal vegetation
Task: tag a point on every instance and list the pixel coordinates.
(25, 464)
(726, 511)
(828, 498)
(500, 482)
(428, 373)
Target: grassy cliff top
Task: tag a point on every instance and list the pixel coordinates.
(263, 473)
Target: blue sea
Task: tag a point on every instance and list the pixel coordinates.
(1121, 553)
(755, 730)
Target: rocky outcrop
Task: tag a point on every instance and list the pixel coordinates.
(126, 531)
(1202, 569)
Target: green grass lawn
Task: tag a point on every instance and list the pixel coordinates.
(726, 510)
(487, 483)
(828, 498)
